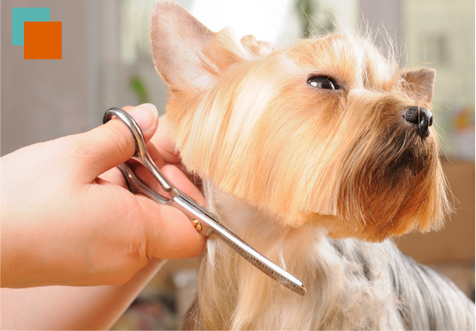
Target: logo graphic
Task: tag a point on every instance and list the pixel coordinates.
(32, 28)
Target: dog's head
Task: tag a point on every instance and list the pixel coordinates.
(326, 131)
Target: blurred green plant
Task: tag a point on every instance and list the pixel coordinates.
(137, 86)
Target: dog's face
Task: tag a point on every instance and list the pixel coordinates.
(327, 131)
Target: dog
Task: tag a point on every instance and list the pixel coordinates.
(315, 155)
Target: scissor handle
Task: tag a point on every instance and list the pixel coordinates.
(141, 149)
(135, 184)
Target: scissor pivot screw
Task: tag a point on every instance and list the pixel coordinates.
(196, 224)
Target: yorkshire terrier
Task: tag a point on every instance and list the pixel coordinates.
(314, 155)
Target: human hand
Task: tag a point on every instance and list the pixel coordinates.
(67, 218)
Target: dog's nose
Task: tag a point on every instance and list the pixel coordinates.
(420, 118)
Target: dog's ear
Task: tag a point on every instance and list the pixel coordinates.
(177, 40)
(420, 82)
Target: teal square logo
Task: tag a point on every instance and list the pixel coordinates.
(20, 15)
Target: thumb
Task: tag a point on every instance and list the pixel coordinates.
(112, 143)
(168, 233)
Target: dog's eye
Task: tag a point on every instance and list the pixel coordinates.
(323, 82)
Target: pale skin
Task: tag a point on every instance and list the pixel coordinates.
(68, 219)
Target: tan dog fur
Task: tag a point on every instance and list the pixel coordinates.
(289, 168)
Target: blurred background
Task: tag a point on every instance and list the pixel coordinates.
(106, 62)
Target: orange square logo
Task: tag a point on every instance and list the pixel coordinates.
(43, 40)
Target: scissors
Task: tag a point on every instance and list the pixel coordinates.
(203, 220)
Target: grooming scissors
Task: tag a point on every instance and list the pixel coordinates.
(203, 221)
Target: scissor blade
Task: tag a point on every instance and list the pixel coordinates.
(242, 248)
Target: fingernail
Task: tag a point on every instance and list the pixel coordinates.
(146, 115)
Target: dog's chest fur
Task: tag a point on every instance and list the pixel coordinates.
(350, 284)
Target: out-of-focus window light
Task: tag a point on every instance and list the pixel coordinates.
(135, 26)
(275, 21)
(265, 19)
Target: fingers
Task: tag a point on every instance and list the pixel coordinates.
(143, 119)
(183, 183)
(164, 144)
(113, 176)
(163, 150)
(112, 143)
(169, 233)
(166, 231)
